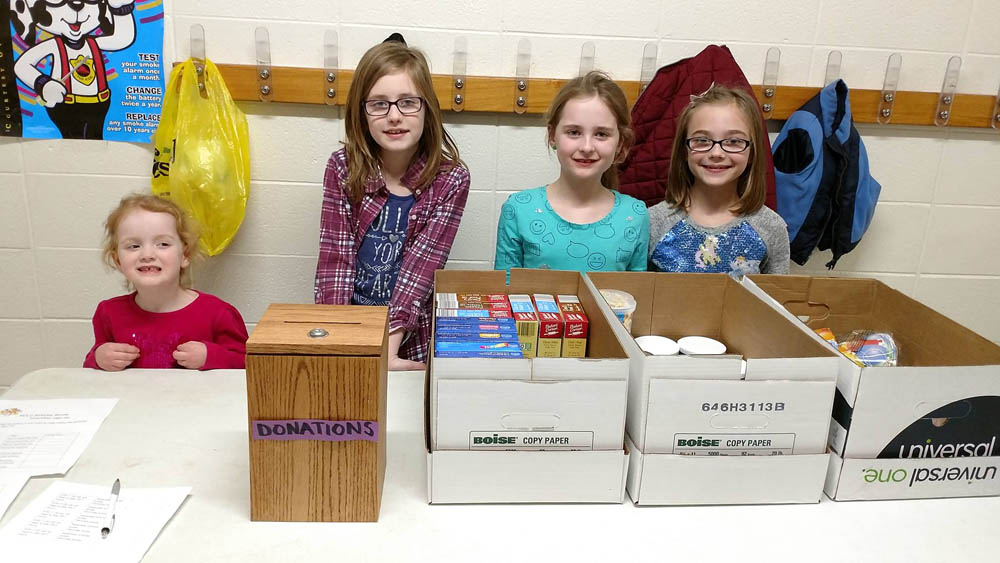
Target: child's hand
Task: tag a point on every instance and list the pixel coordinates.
(114, 356)
(399, 364)
(191, 354)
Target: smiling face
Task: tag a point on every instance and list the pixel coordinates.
(150, 253)
(73, 22)
(396, 132)
(586, 139)
(717, 169)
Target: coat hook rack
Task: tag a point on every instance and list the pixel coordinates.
(948, 88)
(197, 34)
(331, 64)
(889, 86)
(493, 93)
(995, 121)
(833, 61)
(262, 45)
(770, 83)
(587, 52)
(459, 67)
(647, 69)
(521, 76)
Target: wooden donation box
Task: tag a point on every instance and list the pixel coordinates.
(316, 385)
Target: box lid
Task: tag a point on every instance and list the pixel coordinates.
(352, 330)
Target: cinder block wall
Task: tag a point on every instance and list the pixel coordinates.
(935, 234)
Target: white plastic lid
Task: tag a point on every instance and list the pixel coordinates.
(692, 345)
(657, 345)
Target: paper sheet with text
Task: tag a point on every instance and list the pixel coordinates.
(64, 523)
(47, 436)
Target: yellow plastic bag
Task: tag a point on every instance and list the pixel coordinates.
(201, 157)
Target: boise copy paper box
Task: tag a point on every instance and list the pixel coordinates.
(685, 407)
(528, 430)
(940, 402)
(653, 479)
(789, 381)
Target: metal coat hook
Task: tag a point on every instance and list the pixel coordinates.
(833, 61)
(648, 68)
(889, 86)
(262, 44)
(331, 63)
(770, 82)
(995, 121)
(198, 53)
(459, 67)
(521, 76)
(948, 88)
(587, 57)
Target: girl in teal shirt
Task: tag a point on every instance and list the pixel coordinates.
(579, 221)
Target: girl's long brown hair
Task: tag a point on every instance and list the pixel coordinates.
(751, 187)
(362, 151)
(596, 83)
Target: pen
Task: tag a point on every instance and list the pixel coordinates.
(109, 523)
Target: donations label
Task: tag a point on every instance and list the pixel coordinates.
(320, 430)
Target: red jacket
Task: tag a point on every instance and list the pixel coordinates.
(643, 175)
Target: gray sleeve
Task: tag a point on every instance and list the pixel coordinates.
(772, 229)
(662, 218)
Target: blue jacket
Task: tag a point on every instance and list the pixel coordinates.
(825, 192)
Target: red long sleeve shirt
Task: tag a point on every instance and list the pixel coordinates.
(207, 319)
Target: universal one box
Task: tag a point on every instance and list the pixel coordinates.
(927, 427)
(703, 432)
(531, 429)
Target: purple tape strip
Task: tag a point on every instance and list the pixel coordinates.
(322, 430)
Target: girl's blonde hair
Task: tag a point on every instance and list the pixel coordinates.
(596, 83)
(751, 187)
(362, 150)
(186, 229)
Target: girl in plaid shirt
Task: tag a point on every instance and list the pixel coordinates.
(392, 199)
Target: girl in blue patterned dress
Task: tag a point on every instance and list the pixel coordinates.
(713, 217)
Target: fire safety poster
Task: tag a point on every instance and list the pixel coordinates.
(81, 69)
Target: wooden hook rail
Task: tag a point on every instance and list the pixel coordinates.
(494, 94)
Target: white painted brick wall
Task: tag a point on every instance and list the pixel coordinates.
(935, 234)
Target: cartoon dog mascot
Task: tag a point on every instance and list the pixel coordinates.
(76, 94)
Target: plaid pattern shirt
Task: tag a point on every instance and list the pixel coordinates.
(434, 219)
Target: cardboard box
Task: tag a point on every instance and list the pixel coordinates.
(941, 403)
(789, 379)
(456, 477)
(667, 479)
(527, 323)
(563, 406)
(695, 421)
(880, 479)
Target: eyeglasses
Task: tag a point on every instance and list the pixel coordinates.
(704, 144)
(406, 106)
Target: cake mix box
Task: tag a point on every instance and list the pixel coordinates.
(575, 326)
(449, 326)
(550, 326)
(473, 313)
(526, 320)
(491, 301)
